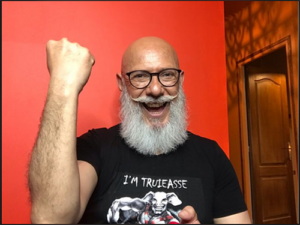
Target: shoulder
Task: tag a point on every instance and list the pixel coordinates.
(199, 139)
(98, 140)
(101, 133)
(95, 145)
(208, 147)
(203, 143)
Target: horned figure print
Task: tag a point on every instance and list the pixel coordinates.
(157, 212)
(151, 209)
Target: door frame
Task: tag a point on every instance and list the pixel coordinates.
(245, 159)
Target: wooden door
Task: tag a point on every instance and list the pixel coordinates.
(270, 154)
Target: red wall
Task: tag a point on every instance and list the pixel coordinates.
(195, 29)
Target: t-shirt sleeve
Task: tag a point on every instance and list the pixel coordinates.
(228, 196)
(89, 148)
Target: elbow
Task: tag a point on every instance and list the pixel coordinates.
(35, 219)
(50, 212)
(41, 220)
(50, 218)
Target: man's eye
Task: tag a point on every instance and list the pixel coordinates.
(140, 76)
(168, 75)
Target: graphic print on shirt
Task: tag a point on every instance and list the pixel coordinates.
(153, 208)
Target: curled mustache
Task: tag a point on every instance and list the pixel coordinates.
(149, 99)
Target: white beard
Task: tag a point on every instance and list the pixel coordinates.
(156, 138)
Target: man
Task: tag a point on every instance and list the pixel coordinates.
(148, 169)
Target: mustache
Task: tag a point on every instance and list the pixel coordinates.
(149, 99)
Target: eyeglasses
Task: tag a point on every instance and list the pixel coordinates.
(142, 78)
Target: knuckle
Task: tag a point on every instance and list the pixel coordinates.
(64, 39)
(50, 43)
(65, 42)
(85, 50)
(93, 60)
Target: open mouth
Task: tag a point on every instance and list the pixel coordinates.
(155, 109)
(154, 106)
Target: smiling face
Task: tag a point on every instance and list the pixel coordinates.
(153, 55)
(153, 119)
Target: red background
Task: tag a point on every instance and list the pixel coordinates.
(195, 29)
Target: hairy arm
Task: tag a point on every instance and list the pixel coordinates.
(54, 177)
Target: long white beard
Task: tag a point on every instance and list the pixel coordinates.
(153, 139)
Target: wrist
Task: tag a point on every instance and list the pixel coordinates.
(62, 90)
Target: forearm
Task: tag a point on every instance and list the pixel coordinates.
(53, 171)
(238, 218)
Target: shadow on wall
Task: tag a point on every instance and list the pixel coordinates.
(250, 30)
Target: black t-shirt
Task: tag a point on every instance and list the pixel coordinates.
(134, 188)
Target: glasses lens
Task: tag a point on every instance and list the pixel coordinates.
(140, 79)
(168, 77)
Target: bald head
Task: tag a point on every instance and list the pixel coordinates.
(149, 53)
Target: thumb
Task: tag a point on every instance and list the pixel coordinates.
(188, 216)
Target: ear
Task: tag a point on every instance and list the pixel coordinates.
(120, 81)
(148, 196)
(182, 77)
(173, 199)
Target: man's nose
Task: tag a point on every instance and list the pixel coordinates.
(155, 88)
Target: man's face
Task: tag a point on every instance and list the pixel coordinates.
(152, 61)
(153, 118)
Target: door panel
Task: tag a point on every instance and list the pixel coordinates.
(271, 166)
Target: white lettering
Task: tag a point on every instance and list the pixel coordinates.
(184, 184)
(175, 183)
(159, 182)
(135, 179)
(155, 183)
(149, 182)
(170, 184)
(125, 182)
(164, 183)
(144, 180)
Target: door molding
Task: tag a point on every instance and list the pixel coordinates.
(240, 65)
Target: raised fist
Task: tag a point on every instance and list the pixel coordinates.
(69, 65)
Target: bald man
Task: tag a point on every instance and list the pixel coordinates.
(148, 168)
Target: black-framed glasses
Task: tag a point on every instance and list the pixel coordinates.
(142, 78)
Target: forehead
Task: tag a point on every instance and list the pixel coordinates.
(150, 54)
(152, 60)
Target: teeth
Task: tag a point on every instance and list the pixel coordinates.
(154, 105)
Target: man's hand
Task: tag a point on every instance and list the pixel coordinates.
(69, 65)
(188, 216)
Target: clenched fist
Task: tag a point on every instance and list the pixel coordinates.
(69, 65)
